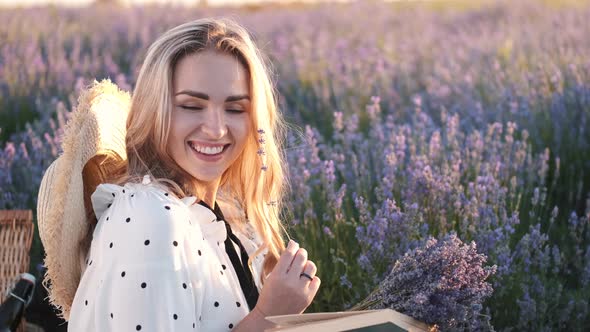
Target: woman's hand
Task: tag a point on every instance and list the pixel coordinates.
(285, 290)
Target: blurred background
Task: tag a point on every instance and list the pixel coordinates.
(409, 119)
(185, 3)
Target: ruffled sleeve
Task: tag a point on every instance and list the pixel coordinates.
(139, 276)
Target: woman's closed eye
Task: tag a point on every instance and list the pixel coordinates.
(197, 108)
(235, 110)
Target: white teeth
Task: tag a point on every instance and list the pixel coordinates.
(206, 149)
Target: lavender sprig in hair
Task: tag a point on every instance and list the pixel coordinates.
(441, 283)
(261, 151)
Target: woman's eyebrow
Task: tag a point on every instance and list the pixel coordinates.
(206, 97)
(237, 97)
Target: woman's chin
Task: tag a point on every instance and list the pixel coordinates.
(206, 178)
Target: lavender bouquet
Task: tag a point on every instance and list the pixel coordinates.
(442, 283)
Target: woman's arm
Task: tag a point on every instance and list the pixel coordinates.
(254, 322)
(137, 277)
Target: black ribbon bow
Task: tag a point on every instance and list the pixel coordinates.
(241, 267)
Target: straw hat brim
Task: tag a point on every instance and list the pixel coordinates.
(93, 138)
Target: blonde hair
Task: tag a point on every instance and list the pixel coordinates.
(255, 183)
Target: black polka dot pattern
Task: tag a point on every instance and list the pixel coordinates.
(160, 243)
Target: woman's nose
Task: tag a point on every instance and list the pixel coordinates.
(214, 124)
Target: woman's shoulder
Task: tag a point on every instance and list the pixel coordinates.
(147, 194)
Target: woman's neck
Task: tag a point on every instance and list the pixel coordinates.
(211, 193)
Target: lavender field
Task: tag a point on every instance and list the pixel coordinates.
(408, 121)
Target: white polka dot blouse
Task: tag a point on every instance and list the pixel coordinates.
(158, 263)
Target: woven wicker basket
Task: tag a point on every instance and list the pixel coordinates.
(16, 236)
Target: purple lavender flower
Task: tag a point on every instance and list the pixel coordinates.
(328, 232)
(442, 283)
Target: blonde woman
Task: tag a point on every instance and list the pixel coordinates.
(203, 136)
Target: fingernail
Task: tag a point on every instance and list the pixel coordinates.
(290, 244)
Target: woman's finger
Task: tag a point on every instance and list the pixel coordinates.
(308, 272)
(287, 257)
(314, 285)
(298, 263)
(310, 268)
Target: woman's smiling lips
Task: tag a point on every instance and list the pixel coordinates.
(208, 151)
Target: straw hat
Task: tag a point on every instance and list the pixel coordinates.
(93, 138)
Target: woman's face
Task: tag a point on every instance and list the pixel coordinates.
(211, 114)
